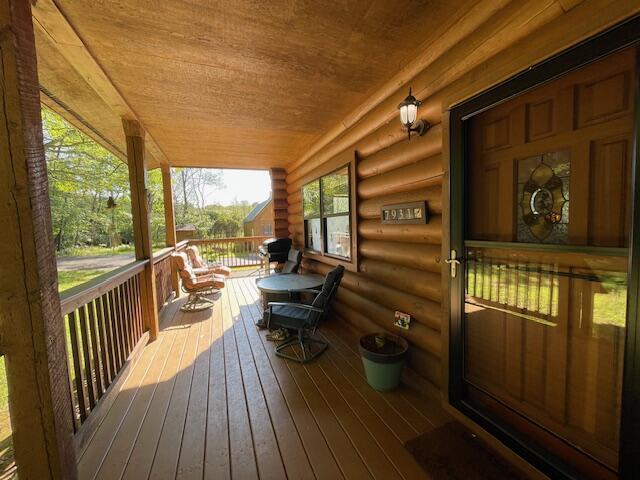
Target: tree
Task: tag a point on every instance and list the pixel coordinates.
(191, 185)
(83, 176)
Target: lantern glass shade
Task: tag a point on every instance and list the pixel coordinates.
(412, 113)
(409, 110)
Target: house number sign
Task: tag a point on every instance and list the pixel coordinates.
(404, 213)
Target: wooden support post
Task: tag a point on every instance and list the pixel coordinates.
(279, 195)
(170, 222)
(141, 224)
(32, 336)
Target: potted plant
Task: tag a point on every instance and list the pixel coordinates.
(383, 357)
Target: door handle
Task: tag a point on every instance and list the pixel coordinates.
(453, 262)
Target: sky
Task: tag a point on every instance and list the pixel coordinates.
(250, 185)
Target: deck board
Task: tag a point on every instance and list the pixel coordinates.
(210, 399)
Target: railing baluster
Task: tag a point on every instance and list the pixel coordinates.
(104, 345)
(104, 322)
(118, 326)
(132, 309)
(123, 322)
(95, 349)
(86, 354)
(110, 335)
(127, 318)
(139, 317)
(77, 369)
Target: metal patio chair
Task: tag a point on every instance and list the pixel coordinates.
(304, 319)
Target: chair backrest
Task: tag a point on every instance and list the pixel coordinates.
(194, 257)
(184, 269)
(293, 261)
(329, 288)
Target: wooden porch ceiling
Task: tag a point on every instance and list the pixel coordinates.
(225, 84)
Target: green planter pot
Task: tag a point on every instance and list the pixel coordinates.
(383, 356)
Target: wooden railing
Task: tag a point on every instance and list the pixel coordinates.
(103, 323)
(231, 252)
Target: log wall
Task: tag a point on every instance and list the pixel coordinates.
(399, 266)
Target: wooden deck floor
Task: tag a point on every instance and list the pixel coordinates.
(209, 399)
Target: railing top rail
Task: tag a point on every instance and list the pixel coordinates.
(162, 254)
(82, 294)
(230, 239)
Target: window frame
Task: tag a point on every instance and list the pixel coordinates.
(350, 262)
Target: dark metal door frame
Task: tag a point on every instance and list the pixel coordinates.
(617, 38)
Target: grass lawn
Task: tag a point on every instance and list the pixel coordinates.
(6, 444)
(91, 251)
(71, 278)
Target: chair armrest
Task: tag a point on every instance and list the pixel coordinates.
(301, 306)
(306, 290)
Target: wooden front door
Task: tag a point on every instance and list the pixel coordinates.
(546, 249)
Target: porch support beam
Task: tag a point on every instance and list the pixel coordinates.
(169, 214)
(32, 335)
(279, 195)
(135, 136)
(169, 221)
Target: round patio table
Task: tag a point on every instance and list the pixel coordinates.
(276, 288)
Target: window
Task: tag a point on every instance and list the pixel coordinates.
(327, 214)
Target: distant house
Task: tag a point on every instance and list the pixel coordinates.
(186, 232)
(259, 221)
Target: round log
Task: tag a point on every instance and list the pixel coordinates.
(423, 311)
(295, 198)
(295, 218)
(278, 184)
(296, 229)
(418, 334)
(279, 195)
(402, 153)
(430, 233)
(370, 208)
(295, 208)
(382, 124)
(280, 204)
(422, 174)
(415, 255)
(356, 319)
(426, 365)
(423, 363)
(411, 280)
(278, 174)
(280, 215)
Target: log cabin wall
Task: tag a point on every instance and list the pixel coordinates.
(399, 266)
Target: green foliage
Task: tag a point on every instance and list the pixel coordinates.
(71, 278)
(91, 200)
(82, 177)
(311, 199)
(216, 221)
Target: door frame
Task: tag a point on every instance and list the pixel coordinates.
(621, 36)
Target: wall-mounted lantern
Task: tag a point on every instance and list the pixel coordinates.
(409, 114)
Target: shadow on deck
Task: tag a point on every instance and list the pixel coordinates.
(210, 398)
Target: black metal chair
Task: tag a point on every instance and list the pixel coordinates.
(304, 319)
(294, 258)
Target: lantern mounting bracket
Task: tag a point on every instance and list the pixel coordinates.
(420, 127)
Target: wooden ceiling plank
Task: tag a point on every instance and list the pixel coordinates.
(81, 124)
(52, 22)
